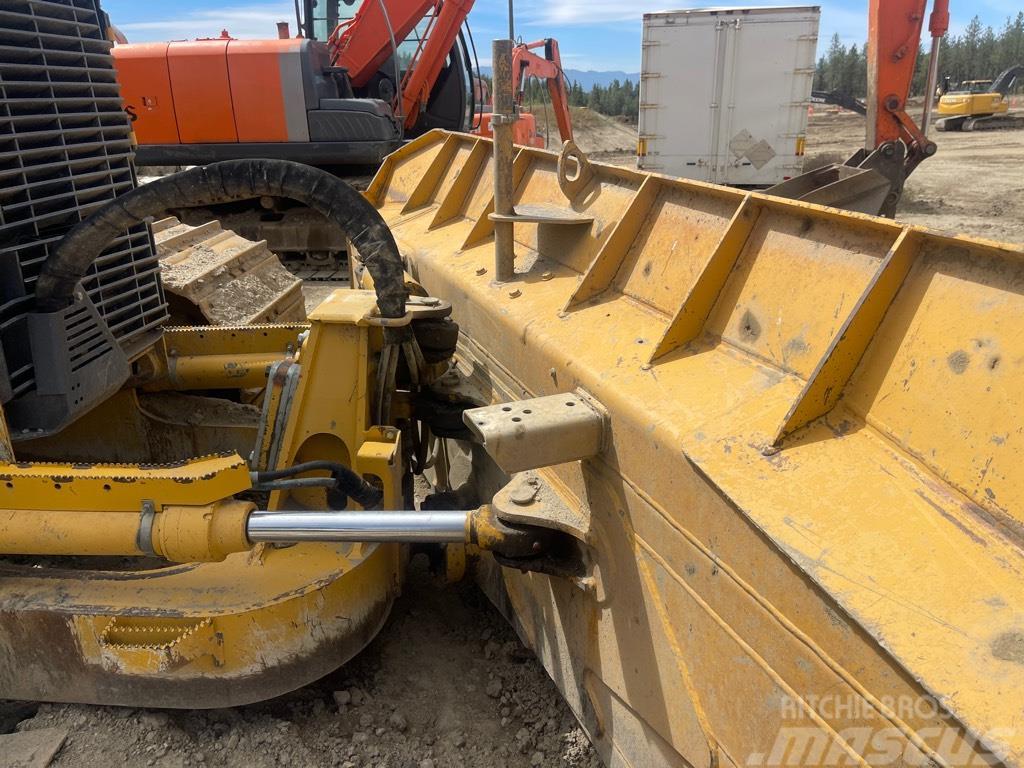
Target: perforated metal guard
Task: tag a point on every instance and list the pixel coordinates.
(64, 150)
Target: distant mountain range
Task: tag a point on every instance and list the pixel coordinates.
(588, 78)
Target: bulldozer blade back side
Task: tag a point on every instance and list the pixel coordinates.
(803, 532)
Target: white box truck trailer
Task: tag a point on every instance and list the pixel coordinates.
(724, 93)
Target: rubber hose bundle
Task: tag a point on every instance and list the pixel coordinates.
(346, 483)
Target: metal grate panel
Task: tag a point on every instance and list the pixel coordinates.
(65, 149)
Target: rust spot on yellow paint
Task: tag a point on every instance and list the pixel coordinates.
(958, 361)
(1009, 646)
(750, 329)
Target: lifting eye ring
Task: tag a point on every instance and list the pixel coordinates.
(574, 170)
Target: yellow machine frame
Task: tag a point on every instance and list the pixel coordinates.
(232, 624)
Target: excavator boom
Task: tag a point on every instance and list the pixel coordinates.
(1005, 80)
(363, 43)
(527, 64)
(871, 180)
(430, 57)
(894, 32)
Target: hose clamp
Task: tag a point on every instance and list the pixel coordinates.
(388, 322)
(144, 539)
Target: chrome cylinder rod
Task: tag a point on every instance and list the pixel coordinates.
(393, 526)
(930, 83)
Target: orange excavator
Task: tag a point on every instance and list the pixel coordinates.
(872, 179)
(527, 65)
(346, 91)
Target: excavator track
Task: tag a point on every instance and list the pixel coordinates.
(1006, 122)
(217, 277)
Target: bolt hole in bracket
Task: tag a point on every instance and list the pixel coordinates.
(540, 432)
(574, 170)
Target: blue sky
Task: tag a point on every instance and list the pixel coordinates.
(592, 34)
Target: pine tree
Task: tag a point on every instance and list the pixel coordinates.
(979, 53)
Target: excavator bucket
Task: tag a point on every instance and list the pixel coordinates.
(802, 531)
(217, 277)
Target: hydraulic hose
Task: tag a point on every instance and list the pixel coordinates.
(225, 182)
(346, 482)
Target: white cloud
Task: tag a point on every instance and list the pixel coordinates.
(850, 24)
(246, 21)
(585, 12)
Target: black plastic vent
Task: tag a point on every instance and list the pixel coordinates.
(65, 149)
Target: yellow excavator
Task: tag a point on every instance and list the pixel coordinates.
(742, 470)
(979, 104)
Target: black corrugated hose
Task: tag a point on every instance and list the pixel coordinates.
(225, 182)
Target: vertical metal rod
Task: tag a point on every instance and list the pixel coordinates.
(501, 125)
(938, 24)
(929, 88)
(511, 21)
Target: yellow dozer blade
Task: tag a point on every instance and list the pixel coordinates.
(803, 535)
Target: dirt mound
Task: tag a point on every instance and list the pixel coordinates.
(596, 134)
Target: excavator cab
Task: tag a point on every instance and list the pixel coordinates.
(319, 18)
(974, 86)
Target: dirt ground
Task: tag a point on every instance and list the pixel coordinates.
(974, 185)
(604, 138)
(446, 683)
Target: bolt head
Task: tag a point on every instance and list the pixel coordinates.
(523, 494)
